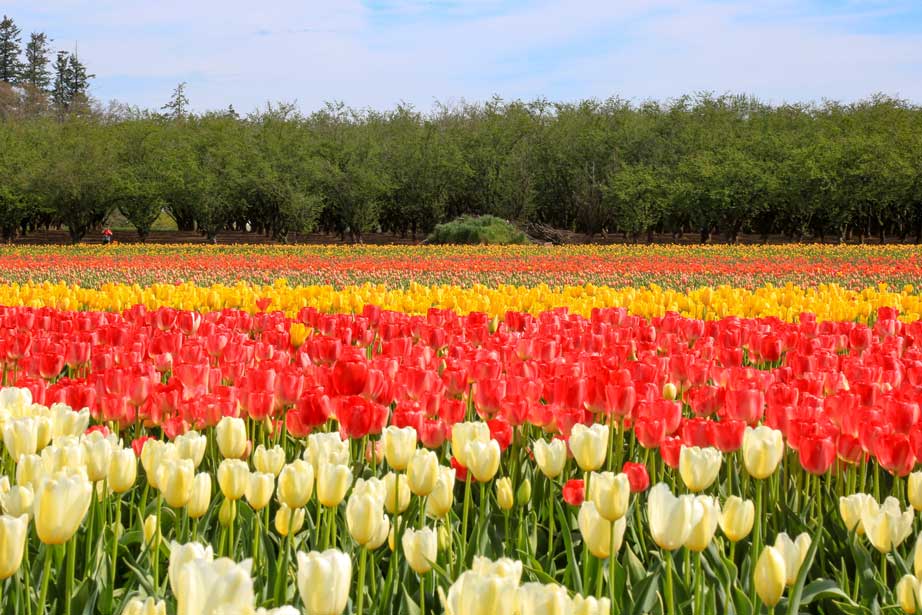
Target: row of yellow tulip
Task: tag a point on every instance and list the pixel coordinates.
(828, 302)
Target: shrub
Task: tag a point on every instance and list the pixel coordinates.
(482, 230)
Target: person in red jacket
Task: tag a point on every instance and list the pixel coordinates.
(107, 236)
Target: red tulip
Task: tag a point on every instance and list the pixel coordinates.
(817, 454)
(650, 432)
(728, 435)
(349, 375)
(574, 492)
(697, 432)
(501, 431)
(669, 450)
(895, 454)
(359, 417)
(637, 476)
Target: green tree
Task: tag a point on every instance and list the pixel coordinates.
(10, 49)
(38, 56)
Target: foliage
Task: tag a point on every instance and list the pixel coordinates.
(484, 230)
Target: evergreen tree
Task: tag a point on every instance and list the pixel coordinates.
(179, 103)
(38, 52)
(10, 65)
(60, 94)
(79, 79)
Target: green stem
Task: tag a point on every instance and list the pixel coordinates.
(756, 536)
(670, 604)
(612, 556)
(46, 575)
(361, 584)
(464, 517)
(699, 578)
(115, 538)
(69, 579)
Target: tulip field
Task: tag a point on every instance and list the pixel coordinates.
(529, 430)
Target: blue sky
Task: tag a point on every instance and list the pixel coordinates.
(377, 53)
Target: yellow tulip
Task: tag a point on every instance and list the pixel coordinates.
(397, 493)
(914, 490)
(150, 606)
(269, 460)
(13, 532)
(231, 435)
(887, 526)
(422, 472)
(851, 507)
(769, 576)
(200, 500)
(590, 605)
(699, 467)
(420, 547)
(288, 521)
(191, 445)
(227, 513)
(399, 444)
(505, 499)
(703, 531)
(589, 445)
(907, 589)
(233, 478)
(60, 505)
(18, 501)
(440, 501)
(151, 529)
(259, 490)
(174, 478)
(611, 494)
(763, 448)
(123, 470)
(324, 581)
(544, 599)
(671, 518)
(483, 458)
(295, 484)
(793, 552)
(463, 434)
(333, 480)
(597, 531)
(736, 518)
(550, 456)
(365, 511)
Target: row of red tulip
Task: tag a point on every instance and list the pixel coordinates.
(835, 389)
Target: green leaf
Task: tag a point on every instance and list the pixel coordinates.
(823, 589)
(646, 594)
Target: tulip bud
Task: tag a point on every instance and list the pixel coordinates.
(191, 445)
(793, 553)
(523, 495)
(703, 531)
(288, 521)
(763, 448)
(333, 480)
(18, 501)
(440, 501)
(260, 488)
(269, 460)
(374, 452)
(397, 494)
(597, 531)
(483, 459)
(589, 445)
(420, 547)
(200, 500)
(399, 444)
(174, 477)
(13, 532)
(669, 391)
(60, 505)
(914, 490)
(295, 484)
(151, 529)
(769, 576)
(231, 434)
(233, 478)
(422, 472)
(123, 470)
(906, 591)
(737, 518)
(324, 581)
(150, 606)
(610, 493)
(227, 513)
(464, 433)
(699, 467)
(504, 497)
(550, 456)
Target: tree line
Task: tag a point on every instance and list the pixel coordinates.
(696, 164)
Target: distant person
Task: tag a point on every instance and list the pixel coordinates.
(107, 236)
